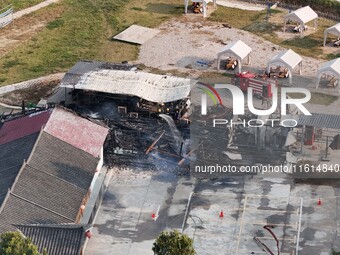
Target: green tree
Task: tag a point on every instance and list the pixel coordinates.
(334, 252)
(173, 243)
(14, 243)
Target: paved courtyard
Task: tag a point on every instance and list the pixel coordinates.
(279, 203)
(125, 225)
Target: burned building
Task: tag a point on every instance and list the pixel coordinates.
(129, 91)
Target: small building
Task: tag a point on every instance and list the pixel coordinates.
(302, 16)
(287, 58)
(131, 90)
(238, 49)
(53, 159)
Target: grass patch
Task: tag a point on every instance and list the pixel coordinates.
(308, 46)
(19, 4)
(11, 63)
(83, 31)
(235, 17)
(333, 56)
(262, 27)
(55, 24)
(136, 9)
(317, 98)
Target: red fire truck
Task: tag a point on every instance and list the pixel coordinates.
(262, 86)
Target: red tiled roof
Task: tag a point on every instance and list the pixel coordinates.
(77, 131)
(21, 127)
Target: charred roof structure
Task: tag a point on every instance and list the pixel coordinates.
(93, 83)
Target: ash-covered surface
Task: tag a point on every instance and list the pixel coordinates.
(143, 142)
(226, 145)
(129, 140)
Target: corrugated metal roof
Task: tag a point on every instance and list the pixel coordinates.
(77, 131)
(151, 87)
(20, 211)
(61, 239)
(320, 120)
(17, 128)
(12, 156)
(51, 186)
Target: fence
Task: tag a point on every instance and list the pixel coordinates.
(294, 7)
(6, 15)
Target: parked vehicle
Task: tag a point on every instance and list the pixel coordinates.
(262, 86)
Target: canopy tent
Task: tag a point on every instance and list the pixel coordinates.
(205, 3)
(302, 16)
(289, 59)
(332, 67)
(335, 30)
(239, 49)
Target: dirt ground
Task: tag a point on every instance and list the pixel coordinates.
(185, 43)
(32, 94)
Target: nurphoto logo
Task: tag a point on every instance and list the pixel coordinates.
(238, 101)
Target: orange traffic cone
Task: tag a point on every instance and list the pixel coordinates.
(319, 201)
(221, 214)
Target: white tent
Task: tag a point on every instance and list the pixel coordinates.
(289, 59)
(332, 67)
(205, 3)
(335, 30)
(302, 16)
(238, 49)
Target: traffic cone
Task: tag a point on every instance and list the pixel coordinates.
(319, 201)
(153, 215)
(221, 214)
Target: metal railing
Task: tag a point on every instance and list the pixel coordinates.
(6, 15)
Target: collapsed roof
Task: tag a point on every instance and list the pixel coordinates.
(151, 87)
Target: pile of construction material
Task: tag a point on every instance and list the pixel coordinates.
(197, 8)
(279, 72)
(231, 63)
(336, 43)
